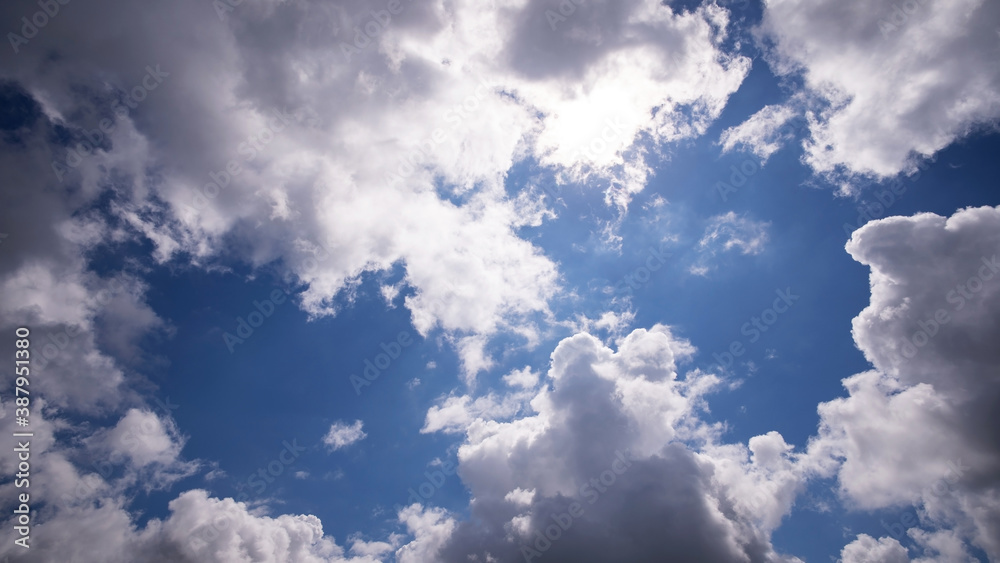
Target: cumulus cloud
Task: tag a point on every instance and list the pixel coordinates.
(591, 122)
(919, 428)
(899, 80)
(612, 449)
(199, 528)
(342, 434)
(937, 547)
(867, 548)
(81, 484)
(431, 528)
(524, 377)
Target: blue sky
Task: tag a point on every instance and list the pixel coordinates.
(612, 291)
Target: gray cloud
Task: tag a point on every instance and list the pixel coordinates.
(614, 464)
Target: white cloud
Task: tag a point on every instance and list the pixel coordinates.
(430, 529)
(867, 548)
(150, 445)
(763, 133)
(473, 355)
(342, 434)
(379, 550)
(520, 497)
(201, 528)
(621, 417)
(314, 198)
(497, 86)
(937, 547)
(613, 323)
(725, 233)
(729, 231)
(899, 80)
(669, 62)
(446, 95)
(914, 429)
(462, 413)
(524, 378)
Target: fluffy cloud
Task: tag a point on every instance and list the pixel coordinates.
(205, 528)
(342, 435)
(329, 158)
(591, 121)
(250, 136)
(523, 377)
(82, 486)
(584, 459)
(914, 431)
(80, 320)
(919, 428)
(867, 548)
(611, 450)
(430, 528)
(891, 81)
(199, 528)
(256, 139)
(457, 413)
(938, 547)
(150, 446)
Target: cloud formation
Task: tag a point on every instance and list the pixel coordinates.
(179, 135)
(885, 83)
(613, 449)
(920, 428)
(342, 434)
(182, 136)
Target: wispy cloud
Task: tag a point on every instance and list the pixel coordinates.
(342, 435)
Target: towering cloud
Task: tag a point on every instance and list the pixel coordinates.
(921, 427)
(614, 463)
